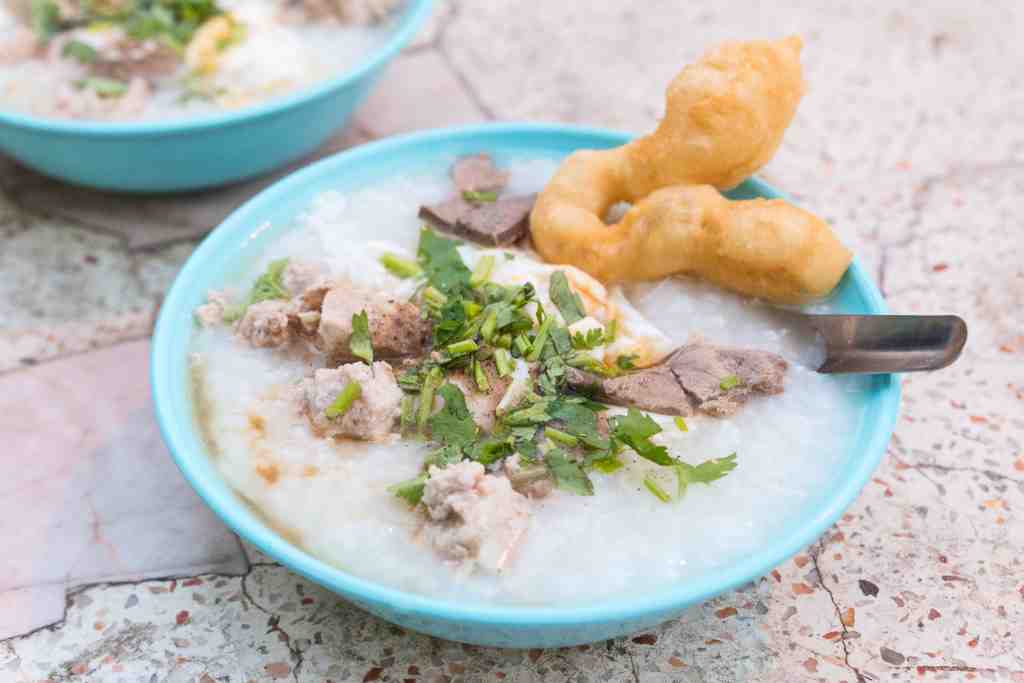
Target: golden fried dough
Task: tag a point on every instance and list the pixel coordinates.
(724, 119)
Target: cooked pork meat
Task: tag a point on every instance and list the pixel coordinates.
(345, 11)
(301, 276)
(128, 59)
(397, 329)
(371, 416)
(494, 224)
(266, 324)
(698, 377)
(477, 173)
(212, 312)
(473, 516)
(532, 481)
(482, 404)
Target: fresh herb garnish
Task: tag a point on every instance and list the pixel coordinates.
(104, 87)
(83, 52)
(568, 302)
(626, 361)
(729, 382)
(681, 423)
(568, 475)
(410, 490)
(269, 285)
(479, 197)
(400, 267)
(348, 395)
(635, 430)
(654, 488)
(453, 425)
(360, 343)
(586, 341)
(704, 473)
(45, 18)
(482, 271)
(442, 263)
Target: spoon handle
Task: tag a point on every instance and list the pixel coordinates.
(889, 343)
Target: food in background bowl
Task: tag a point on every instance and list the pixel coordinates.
(158, 59)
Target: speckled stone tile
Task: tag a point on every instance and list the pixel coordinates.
(909, 141)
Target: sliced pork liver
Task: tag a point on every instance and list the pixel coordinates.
(690, 381)
(494, 224)
(397, 330)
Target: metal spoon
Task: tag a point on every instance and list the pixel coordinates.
(887, 343)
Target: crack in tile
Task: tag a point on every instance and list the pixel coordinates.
(815, 552)
(274, 621)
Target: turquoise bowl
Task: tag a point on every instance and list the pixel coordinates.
(222, 257)
(194, 153)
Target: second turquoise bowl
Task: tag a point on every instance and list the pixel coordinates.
(194, 153)
(235, 244)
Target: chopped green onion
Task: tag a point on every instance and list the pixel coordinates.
(400, 267)
(487, 331)
(408, 414)
(522, 344)
(503, 360)
(462, 348)
(730, 382)
(485, 197)
(658, 492)
(344, 401)
(681, 423)
(410, 490)
(434, 297)
(83, 52)
(540, 340)
(558, 436)
(482, 272)
(503, 340)
(610, 330)
(625, 361)
(471, 308)
(481, 377)
(430, 385)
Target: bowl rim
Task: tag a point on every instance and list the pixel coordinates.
(409, 22)
(666, 601)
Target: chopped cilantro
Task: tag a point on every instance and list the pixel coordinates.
(479, 197)
(410, 490)
(729, 382)
(568, 475)
(348, 395)
(442, 263)
(591, 339)
(704, 473)
(453, 425)
(83, 52)
(481, 377)
(560, 437)
(104, 87)
(487, 451)
(569, 303)
(360, 343)
(626, 361)
(408, 415)
(537, 345)
(607, 465)
(45, 18)
(681, 423)
(268, 285)
(503, 361)
(635, 430)
(466, 346)
(449, 323)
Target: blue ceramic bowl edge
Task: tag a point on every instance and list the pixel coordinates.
(664, 603)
